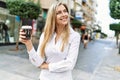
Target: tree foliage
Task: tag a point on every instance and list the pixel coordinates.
(76, 23)
(115, 9)
(23, 9)
(14, 6)
(115, 26)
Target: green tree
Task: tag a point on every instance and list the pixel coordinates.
(115, 9)
(25, 10)
(114, 6)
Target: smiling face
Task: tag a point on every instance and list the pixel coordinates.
(61, 15)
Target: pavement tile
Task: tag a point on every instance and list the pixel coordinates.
(106, 70)
(16, 65)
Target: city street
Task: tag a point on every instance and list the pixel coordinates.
(97, 62)
(99, 19)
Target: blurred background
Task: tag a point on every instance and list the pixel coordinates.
(92, 16)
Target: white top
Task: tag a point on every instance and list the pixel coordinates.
(61, 64)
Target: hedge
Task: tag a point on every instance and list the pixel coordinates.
(115, 26)
(76, 23)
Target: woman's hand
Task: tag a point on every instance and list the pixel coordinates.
(22, 39)
(44, 66)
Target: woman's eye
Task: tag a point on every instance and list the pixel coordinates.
(59, 12)
(65, 11)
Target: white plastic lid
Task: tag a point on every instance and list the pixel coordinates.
(26, 27)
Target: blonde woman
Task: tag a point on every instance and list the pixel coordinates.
(58, 45)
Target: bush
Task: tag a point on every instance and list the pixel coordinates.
(115, 26)
(76, 23)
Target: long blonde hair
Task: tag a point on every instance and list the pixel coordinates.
(50, 28)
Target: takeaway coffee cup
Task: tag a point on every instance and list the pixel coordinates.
(28, 31)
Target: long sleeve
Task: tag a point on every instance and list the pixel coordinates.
(34, 56)
(70, 61)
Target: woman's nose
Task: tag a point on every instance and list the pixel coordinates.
(63, 13)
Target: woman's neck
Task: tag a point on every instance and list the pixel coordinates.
(59, 30)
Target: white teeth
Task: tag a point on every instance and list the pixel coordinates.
(62, 19)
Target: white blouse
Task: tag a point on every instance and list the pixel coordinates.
(61, 64)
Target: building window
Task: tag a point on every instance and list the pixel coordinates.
(3, 4)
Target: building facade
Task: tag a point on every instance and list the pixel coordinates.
(83, 10)
(7, 35)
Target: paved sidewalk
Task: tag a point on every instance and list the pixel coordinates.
(109, 68)
(15, 65)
